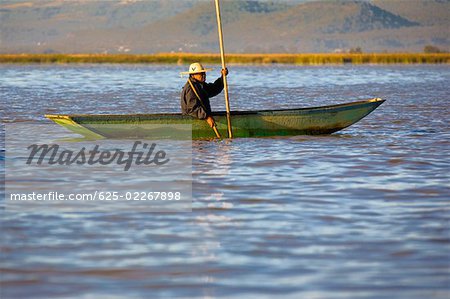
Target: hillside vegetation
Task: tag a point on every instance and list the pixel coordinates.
(141, 27)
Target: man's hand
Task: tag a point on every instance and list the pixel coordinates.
(210, 121)
(225, 72)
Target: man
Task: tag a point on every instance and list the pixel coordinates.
(196, 93)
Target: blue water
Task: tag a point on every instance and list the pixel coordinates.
(363, 213)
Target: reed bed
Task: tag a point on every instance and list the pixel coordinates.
(186, 58)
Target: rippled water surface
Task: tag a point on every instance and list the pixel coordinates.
(363, 213)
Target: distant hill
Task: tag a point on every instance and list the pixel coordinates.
(425, 12)
(133, 26)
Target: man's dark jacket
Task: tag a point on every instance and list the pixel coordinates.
(190, 105)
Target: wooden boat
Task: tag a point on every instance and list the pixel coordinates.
(265, 123)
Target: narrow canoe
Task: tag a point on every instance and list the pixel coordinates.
(265, 123)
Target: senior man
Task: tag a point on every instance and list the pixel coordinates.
(196, 93)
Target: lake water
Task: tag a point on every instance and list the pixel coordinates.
(363, 213)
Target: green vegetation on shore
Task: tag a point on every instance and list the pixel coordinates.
(186, 58)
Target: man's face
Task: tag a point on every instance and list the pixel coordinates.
(200, 77)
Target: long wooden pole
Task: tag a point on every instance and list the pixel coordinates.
(222, 55)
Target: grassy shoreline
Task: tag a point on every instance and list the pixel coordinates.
(186, 58)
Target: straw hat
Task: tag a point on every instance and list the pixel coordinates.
(195, 68)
